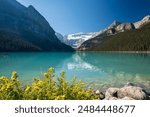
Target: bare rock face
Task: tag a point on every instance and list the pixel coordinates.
(113, 25)
(125, 26)
(136, 93)
(145, 20)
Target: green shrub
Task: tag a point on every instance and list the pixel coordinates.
(47, 88)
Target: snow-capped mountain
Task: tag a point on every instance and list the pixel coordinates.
(146, 19)
(75, 40)
(77, 36)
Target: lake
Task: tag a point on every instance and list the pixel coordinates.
(98, 70)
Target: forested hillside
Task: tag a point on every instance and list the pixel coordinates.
(131, 40)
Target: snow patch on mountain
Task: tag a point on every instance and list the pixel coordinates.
(78, 36)
(138, 24)
(75, 40)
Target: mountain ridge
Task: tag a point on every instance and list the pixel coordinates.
(115, 28)
(28, 25)
(112, 29)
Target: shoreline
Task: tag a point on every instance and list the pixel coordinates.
(129, 91)
(136, 52)
(132, 52)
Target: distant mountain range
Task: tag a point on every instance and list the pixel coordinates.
(25, 29)
(88, 41)
(75, 40)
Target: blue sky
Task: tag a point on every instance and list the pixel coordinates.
(71, 16)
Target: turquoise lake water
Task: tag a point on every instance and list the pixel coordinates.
(96, 69)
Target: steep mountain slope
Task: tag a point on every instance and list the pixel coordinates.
(29, 26)
(10, 41)
(111, 31)
(130, 40)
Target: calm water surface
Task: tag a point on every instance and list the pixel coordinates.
(96, 69)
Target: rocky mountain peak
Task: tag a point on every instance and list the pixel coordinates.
(40, 20)
(125, 26)
(145, 20)
(28, 27)
(33, 10)
(30, 7)
(114, 24)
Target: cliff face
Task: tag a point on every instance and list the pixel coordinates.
(28, 25)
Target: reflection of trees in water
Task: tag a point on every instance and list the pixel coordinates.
(114, 62)
(35, 63)
(122, 68)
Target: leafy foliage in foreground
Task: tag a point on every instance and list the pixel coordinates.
(47, 88)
